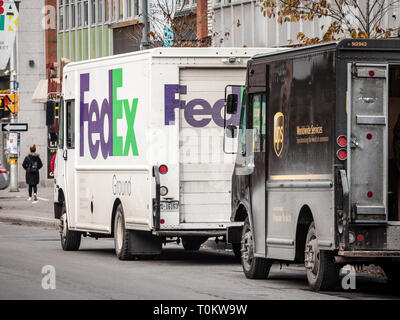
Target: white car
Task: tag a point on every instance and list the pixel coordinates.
(4, 178)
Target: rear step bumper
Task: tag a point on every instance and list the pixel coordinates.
(370, 254)
(184, 233)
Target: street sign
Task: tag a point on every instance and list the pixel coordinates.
(13, 127)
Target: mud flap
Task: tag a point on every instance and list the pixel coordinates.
(144, 243)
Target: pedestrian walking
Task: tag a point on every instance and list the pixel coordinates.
(32, 164)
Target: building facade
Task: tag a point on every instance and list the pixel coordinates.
(238, 23)
(89, 29)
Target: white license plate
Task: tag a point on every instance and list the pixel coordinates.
(169, 206)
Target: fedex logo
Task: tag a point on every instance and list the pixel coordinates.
(201, 108)
(113, 109)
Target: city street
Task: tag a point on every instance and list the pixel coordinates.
(95, 273)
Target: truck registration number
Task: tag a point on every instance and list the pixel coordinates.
(168, 206)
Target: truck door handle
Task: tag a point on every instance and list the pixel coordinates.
(65, 154)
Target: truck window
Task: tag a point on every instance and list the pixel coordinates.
(61, 125)
(70, 106)
(263, 122)
(258, 103)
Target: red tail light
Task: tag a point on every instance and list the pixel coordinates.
(3, 171)
(342, 154)
(163, 169)
(342, 141)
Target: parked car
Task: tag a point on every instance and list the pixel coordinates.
(4, 178)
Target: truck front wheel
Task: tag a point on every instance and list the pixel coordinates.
(322, 272)
(121, 235)
(253, 267)
(70, 240)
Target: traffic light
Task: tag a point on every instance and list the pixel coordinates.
(13, 103)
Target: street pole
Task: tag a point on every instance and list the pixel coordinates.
(145, 30)
(13, 158)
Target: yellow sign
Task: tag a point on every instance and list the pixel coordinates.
(279, 123)
(13, 106)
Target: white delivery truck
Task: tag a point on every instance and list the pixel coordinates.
(140, 148)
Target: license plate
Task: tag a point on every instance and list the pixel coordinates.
(168, 206)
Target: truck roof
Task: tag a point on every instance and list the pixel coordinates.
(392, 44)
(178, 52)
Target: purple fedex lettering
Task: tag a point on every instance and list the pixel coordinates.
(196, 107)
(171, 103)
(95, 120)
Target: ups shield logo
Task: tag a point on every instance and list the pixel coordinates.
(279, 122)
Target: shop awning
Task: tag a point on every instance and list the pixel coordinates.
(40, 94)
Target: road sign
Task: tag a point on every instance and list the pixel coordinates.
(14, 127)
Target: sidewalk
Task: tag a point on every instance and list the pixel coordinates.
(16, 209)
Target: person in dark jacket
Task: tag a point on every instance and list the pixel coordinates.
(32, 164)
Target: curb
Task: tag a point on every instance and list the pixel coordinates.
(30, 221)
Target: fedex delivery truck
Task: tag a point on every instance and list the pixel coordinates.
(139, 155)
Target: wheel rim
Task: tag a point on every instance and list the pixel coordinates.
(119, 233)
(312, 257)
(247, 249)
(64, 227)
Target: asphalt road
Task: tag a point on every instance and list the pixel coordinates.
(94, 272)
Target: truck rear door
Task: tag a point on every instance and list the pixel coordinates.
(367, 109)
(205, 171)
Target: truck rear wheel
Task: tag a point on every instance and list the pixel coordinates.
(192, 243)
(322, 272)
(121, 235)
(253, 267)
(70, 240)
(392, 272)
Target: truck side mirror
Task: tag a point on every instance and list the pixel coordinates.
(232, 103)
(50, 111)
(231, 131)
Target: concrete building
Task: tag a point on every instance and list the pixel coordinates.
(90, 29)
(239, 23)
(31, 69)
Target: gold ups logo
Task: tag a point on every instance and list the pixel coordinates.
(279, 122)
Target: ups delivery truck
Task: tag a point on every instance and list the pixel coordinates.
(316, 179)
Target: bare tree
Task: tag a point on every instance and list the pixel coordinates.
(180, 19)
(354, 18)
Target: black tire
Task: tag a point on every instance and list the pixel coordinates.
(192, 243)
(121, 235)
(70, 240)
(322, 271)
(237, 250)
(253, 267)
(392, 272)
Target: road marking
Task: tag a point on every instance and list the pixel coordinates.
(43, 199)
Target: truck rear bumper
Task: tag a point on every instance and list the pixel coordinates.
(370, 254)
(191, 233)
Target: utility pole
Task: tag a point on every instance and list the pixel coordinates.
(13, 158)
(145, 21)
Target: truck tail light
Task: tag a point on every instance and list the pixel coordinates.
(342, 141)
(163, 169)
(342, 154)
